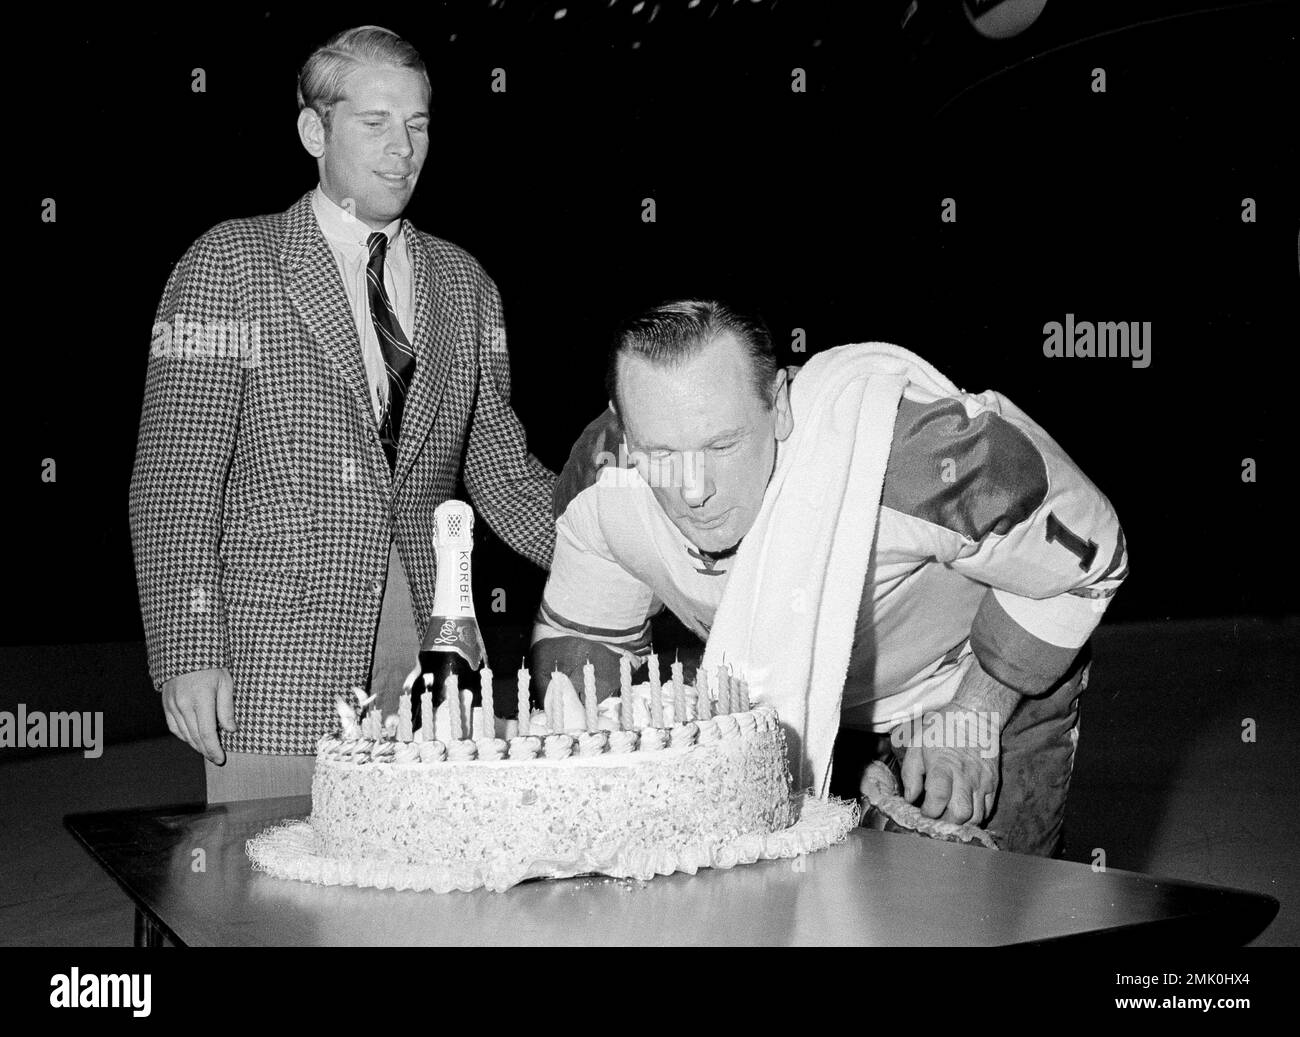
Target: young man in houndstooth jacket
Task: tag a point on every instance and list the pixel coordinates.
(274, 532)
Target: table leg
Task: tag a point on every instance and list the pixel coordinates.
(146, 933)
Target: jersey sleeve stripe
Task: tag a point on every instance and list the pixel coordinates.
(558, 621)
(1012, 655)
(1118, 559)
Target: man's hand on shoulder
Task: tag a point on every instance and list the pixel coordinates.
(597, 447)
(195, 704)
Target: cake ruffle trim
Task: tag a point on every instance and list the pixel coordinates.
(293, 851)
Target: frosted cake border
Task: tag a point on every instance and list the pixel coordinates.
(293, 851)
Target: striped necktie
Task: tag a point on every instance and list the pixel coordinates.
(399, 357)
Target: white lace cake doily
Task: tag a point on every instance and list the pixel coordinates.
(293, 851)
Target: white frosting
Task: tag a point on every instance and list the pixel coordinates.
(653, 739)
(461, 751)
(581, 745)
(727, 725)
(432, 752)
(491, 749)
(296, 850)
(684, 735)
(358, 750)
(525, 748)
(406, 752)
(558, 747)
(592, 743)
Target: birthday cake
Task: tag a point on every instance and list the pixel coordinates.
(632, 787)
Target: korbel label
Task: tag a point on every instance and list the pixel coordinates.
(461, 636)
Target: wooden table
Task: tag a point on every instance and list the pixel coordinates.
(186, 871)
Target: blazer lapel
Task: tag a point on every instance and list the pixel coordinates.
(434, 337)
(315, 291)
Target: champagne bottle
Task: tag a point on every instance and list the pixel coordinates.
(453, 642)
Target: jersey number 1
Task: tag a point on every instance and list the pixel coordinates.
(1084, 550)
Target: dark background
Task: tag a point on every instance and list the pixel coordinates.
(821, 207)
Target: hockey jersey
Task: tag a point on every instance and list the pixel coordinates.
(991, 545)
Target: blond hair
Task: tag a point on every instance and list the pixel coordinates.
(320, 83)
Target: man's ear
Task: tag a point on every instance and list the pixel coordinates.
(311, 132)
(784, 417)
(617, 425)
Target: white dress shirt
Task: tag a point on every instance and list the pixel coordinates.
(347, 236)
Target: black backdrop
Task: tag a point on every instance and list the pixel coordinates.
(823, 207)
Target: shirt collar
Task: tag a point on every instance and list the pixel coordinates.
(342, 228)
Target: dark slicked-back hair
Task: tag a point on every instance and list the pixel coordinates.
(672, 332)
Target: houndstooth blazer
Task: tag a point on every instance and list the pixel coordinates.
(261, 502)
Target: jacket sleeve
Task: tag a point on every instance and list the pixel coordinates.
(188, 421)
(509, 486)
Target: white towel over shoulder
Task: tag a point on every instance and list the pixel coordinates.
(787, 617)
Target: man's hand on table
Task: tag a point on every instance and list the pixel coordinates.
(960, 777)
(960, 781)
(195, 704)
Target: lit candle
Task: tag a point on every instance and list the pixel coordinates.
(589, 695)
(525, 706)
(625, 691)
(679, 693)
(363, 722)
(426, 710)
(489, 704)
(347, 718)
(656, 693)
(724, 692)
(451, 695)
